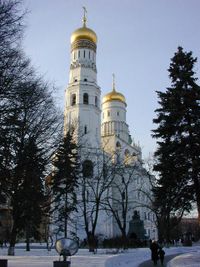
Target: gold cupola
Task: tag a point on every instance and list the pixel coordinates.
(114, 95)
(84, 33)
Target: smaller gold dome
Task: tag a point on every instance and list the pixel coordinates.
(114, 96)
(84, 33)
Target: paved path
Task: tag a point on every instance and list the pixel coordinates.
(149, 263)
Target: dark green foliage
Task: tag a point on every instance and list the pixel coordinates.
(65, 180)
(178, 152)
(28, 198)
(29, 125)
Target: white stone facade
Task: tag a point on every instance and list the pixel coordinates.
(105, 131)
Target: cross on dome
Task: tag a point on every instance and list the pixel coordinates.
(84, 33)
(113, 82)
(84, 16)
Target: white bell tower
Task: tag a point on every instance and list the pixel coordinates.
(82, 98)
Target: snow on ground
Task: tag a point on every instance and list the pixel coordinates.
(187, 260)
(38, 257)
(136, 256)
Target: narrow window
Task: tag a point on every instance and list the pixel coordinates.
(78, 53)
(96, 101)
(73, 100)
(89, 54)
(118, 158)
(108, 113)
(74, 55)
(127, 153)
(117, 113)
(105, 170)
(87, 168)
(84, 53)
(85, 99)
(118, 145)
(85, 80)
(85, 129)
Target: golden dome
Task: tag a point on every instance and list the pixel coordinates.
(84, 33)
(114, 96)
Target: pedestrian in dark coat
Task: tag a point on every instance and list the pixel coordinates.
(161, 254)
(154, 252)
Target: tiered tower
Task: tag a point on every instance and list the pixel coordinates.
(82, 107)
(114, 128)
(114, 115)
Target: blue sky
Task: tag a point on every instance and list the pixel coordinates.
(136, 40)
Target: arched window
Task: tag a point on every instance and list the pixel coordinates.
(118, 145)
(127, 153)
(96, 101)
(85, 129)
(127, 156)
(73, 99)
(85, 99)
(87, 168)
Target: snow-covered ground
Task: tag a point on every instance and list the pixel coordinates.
(131, 258)
(187, 260)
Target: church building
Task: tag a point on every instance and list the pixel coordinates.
(102, 129)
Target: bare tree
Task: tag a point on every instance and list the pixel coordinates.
(95, 181)
(119, 199)
(11, 30)
(29, 124)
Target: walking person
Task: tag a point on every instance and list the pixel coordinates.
(154, 252)
(161, 254)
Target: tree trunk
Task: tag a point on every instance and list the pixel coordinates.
(197, 193)
(11, 248)
(65, 219)
(91, 242)
(124, 240)
(27, 238)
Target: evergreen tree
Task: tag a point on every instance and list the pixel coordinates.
(64, 181)
(178, 152)
(29, 200)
